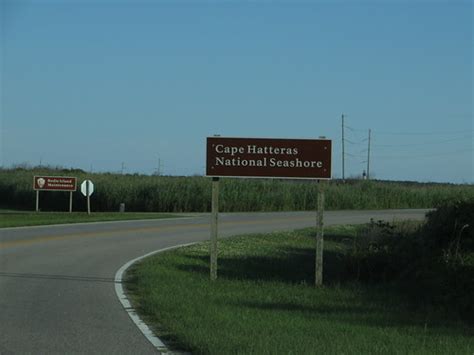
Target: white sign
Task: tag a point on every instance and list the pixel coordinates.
(85, 189)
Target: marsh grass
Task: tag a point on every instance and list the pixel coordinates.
(143, 193)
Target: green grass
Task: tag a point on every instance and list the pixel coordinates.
(143, 193)
(264, 303)
(21, 219)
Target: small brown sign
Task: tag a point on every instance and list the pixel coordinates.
(54, 183)
(264, 157)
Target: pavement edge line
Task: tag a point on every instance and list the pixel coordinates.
(142, 326)
(95, 222)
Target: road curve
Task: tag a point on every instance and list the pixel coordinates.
(57, 292)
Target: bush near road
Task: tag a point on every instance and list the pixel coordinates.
(433, 264)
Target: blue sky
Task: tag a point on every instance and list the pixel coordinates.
(94, 84)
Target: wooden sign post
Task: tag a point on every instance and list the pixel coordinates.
(318, 269)
(268, 158)
(54, 183)
(214, 227)
(70, 202)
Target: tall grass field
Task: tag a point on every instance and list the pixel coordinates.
(145, 193)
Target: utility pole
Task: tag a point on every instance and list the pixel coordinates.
(159, 167)
(368, 158)
(123, 167)
(343, 173)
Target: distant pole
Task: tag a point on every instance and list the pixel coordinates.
(37, 200)
(343, 172)
(123, 167)
(368, 158)
(318, 279)
(70, 201)
(214, 229)
(159, 167)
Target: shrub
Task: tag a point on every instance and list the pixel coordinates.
(451, 228)
(433, 264)
(379, 249)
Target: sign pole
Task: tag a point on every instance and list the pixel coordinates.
(273, 158)
(214, 224)
(319, 236)
(87, 188)
(88, 198)
(54, 183)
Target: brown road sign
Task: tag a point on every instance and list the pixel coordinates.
(54, 183)
(266, 157)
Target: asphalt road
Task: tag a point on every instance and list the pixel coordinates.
(57, 291)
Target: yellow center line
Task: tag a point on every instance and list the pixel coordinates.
(42, 239)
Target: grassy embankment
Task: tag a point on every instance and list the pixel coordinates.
(142, 193)
(382, 294)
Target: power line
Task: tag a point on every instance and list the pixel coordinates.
(355, 143)
(368, 157)
(431, 155)
(354, 133)
(424, 133)
(351, 155)
(343, 172)
(356, 157)
(425, 143)
(353, 129)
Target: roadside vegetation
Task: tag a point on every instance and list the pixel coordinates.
(144, 193)
(22, 219)
(389, 288)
